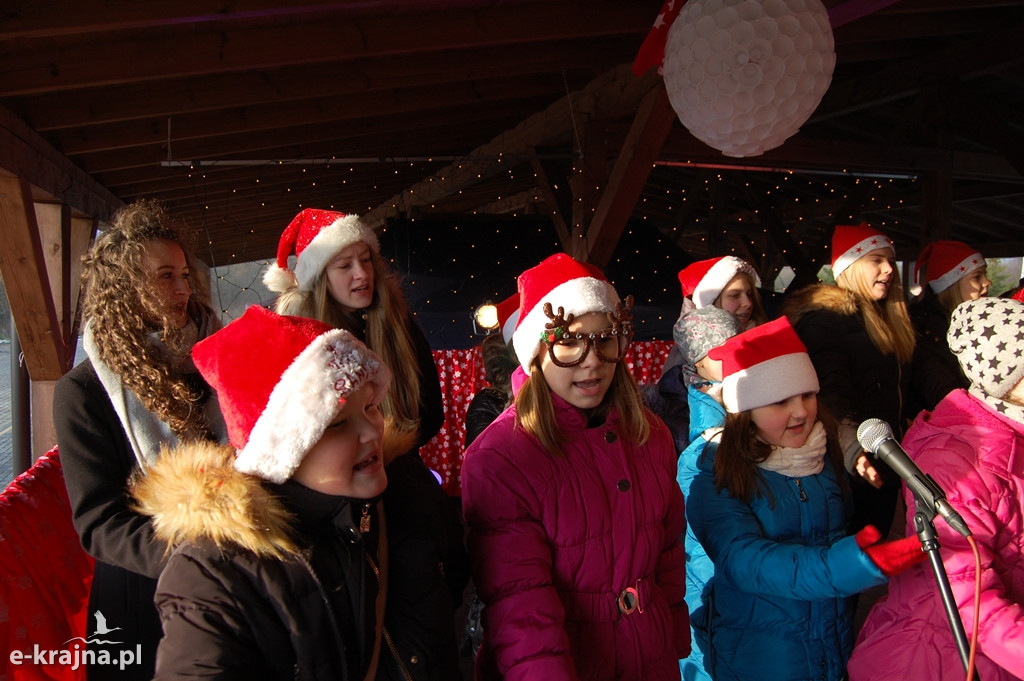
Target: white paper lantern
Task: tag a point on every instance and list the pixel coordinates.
(744, 75)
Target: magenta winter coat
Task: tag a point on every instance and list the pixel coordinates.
(554, 541)
(977, 456)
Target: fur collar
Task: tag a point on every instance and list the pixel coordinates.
(194, 492)
(819, 297)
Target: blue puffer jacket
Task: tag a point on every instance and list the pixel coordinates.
(706, 414)
(784, 570)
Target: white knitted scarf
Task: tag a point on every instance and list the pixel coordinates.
(796, 462)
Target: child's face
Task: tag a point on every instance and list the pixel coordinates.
(787, 423)
(348, 460)
(350, 277)
(165, 263)
(876, 270)
(709, 369)
(584, 385)
(738, 298)
(975, 285)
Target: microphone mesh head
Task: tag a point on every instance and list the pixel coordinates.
(872, 433)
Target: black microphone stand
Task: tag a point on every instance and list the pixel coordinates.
(925, 528)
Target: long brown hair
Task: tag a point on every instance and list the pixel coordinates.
(386, 333)
(535, 411)
(887, 321)
(740, 450)
(119, 305)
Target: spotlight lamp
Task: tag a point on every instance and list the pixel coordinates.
(485, 319)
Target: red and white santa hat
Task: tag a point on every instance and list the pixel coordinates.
(763, 366)
(703, 281)
(850, 242)
(946, 262)
(577, 288)
(316, 236)
(508, 316)
(279, 381)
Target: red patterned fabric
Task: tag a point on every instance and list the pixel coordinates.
(461, 373)
(45, 574)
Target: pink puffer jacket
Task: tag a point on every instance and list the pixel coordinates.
(555, 540)
(977, 456)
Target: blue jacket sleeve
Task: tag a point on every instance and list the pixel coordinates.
(732, 536)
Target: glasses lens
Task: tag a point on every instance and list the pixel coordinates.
(568, 351)
(611, 346)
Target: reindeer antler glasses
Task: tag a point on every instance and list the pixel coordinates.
(569, 348)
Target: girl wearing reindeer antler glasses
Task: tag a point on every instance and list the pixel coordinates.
(572, 509)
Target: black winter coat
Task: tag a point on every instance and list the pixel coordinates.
(265, 581)
(428, 566)
(97, 461)
(935, 369)
(857, 382)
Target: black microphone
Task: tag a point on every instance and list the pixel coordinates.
(875, 436)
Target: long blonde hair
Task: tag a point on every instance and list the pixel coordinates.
(887, 321)
(118, 300)
(386, 333)
(535, 411)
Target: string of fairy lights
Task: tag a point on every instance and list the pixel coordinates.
(694, 211)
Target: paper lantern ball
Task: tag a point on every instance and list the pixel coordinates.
(744, 75)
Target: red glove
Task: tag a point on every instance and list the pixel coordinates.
(891, 557)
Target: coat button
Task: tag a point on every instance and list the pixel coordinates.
(610, 437)
(414, 659)
(623, 485)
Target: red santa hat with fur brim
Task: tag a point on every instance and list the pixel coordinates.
(947, 262)
(850, 242)
(764, 365)
(703, 281)
(316, 236)
(569, 286)
(279, 382)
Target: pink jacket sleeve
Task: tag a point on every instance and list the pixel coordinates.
(979, 495)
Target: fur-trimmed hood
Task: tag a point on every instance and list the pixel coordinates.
(194, 492)
(819, 297)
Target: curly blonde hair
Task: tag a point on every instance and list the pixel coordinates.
(120, 307)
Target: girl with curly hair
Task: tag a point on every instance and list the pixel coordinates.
(136, 392)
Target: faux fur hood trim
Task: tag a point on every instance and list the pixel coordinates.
(195, 492)
(819, 297)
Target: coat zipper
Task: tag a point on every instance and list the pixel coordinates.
(803, 494)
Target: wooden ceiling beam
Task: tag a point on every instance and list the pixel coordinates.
(26, 280)
(995, 50)
(651, 125)
(373, 137)
(25, 154)
(182, 51)
(493, 93)
(97, 106)
(803, 153)
(613, 93)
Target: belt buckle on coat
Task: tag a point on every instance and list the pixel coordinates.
(629, 600)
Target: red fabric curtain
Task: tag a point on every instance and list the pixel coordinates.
(461, 373)
(45, 574)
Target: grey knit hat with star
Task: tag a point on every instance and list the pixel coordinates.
(697, 331)
(987, 336)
